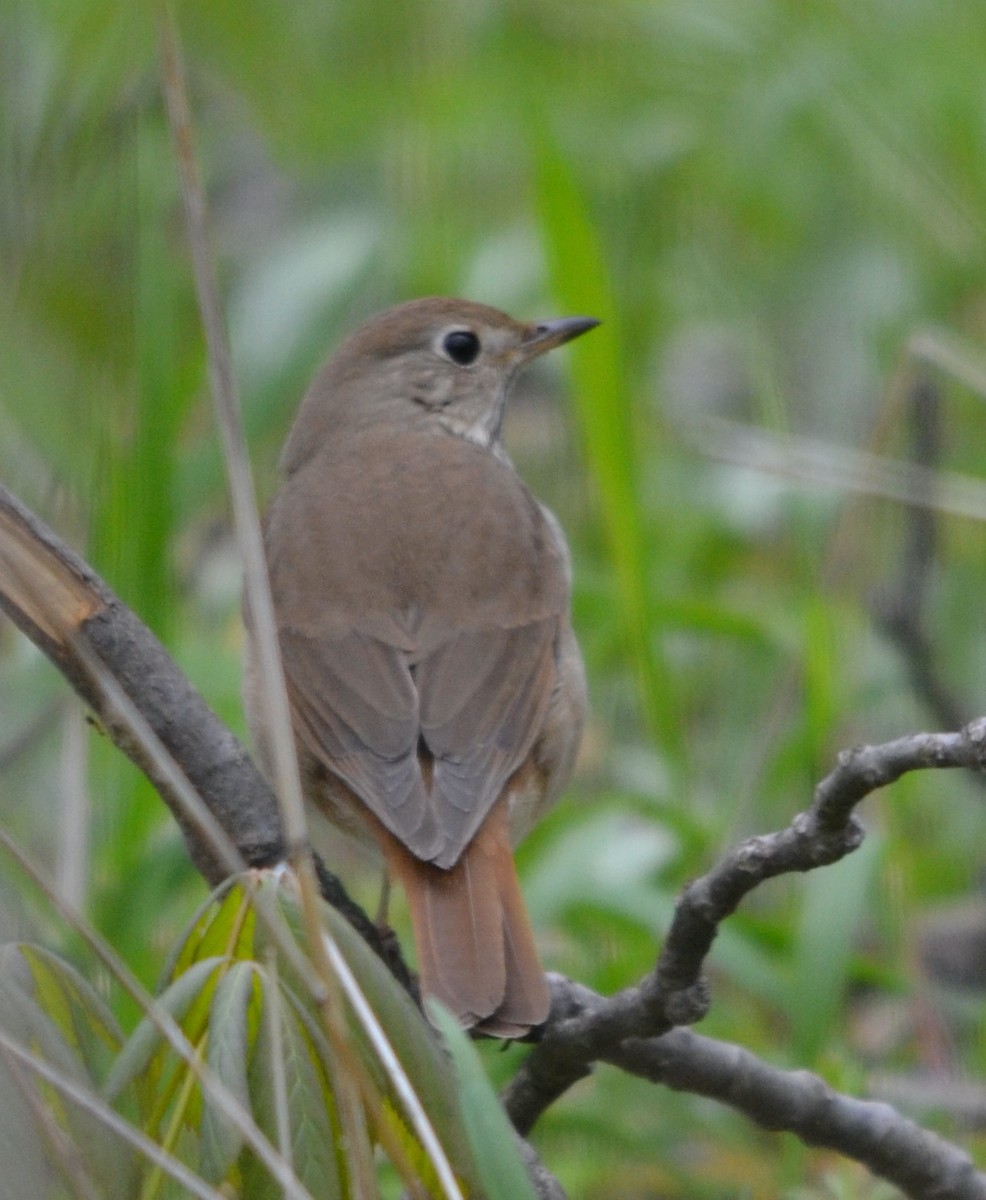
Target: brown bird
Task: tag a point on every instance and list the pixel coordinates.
(421, 595)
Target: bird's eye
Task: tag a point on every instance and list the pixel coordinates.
(462, 346)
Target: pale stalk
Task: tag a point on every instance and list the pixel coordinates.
(257, 586)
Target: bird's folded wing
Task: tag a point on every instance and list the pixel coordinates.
(483, 696)
(355, 709)
(476, 701)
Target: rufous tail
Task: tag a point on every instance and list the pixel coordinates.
(475, 944)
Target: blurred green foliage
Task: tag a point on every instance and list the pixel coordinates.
(763, 200)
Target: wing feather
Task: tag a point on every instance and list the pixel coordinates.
(480, 735)
(477, 702)
(355, 709)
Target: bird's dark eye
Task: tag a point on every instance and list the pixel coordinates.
(462, 346)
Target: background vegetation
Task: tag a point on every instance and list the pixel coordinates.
(763, 201)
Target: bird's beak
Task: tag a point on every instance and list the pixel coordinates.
(545, 335)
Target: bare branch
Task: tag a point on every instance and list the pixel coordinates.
(921, 1164)
(546, 1186)
(582, 1031)
(873, 1133)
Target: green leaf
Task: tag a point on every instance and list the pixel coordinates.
(412, 1039)
(224, 927)
(185, 949)
(227, 1056)
(314, 1147)
(493, 1141)
(44, 1008)
(146, 1039)
(74, 1005)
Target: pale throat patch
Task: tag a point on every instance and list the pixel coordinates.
(484, 432)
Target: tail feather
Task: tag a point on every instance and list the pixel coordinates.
(526, 998)
(457, 931)
(476, 950)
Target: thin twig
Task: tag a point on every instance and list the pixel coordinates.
(246, 518)
(838, 467)
(900, 608)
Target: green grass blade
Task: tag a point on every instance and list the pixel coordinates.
(835, 903)
(578, 276)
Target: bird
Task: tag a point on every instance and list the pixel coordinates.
(422, 602)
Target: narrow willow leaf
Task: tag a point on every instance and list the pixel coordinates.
(23, 1016)
(227, 1056)
(25, 1019)
(147, 1038)
(78, 1010)
(502, 1174)
(315, 1147)
(412, 1040)
(224, 927)
(27, 1168)
(185, 951)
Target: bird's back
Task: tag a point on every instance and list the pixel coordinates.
(424, 524)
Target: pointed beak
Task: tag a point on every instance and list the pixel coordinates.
(545, 335)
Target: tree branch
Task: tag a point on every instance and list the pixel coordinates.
(74, 618)
(584, 1029)
(799, 1102)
